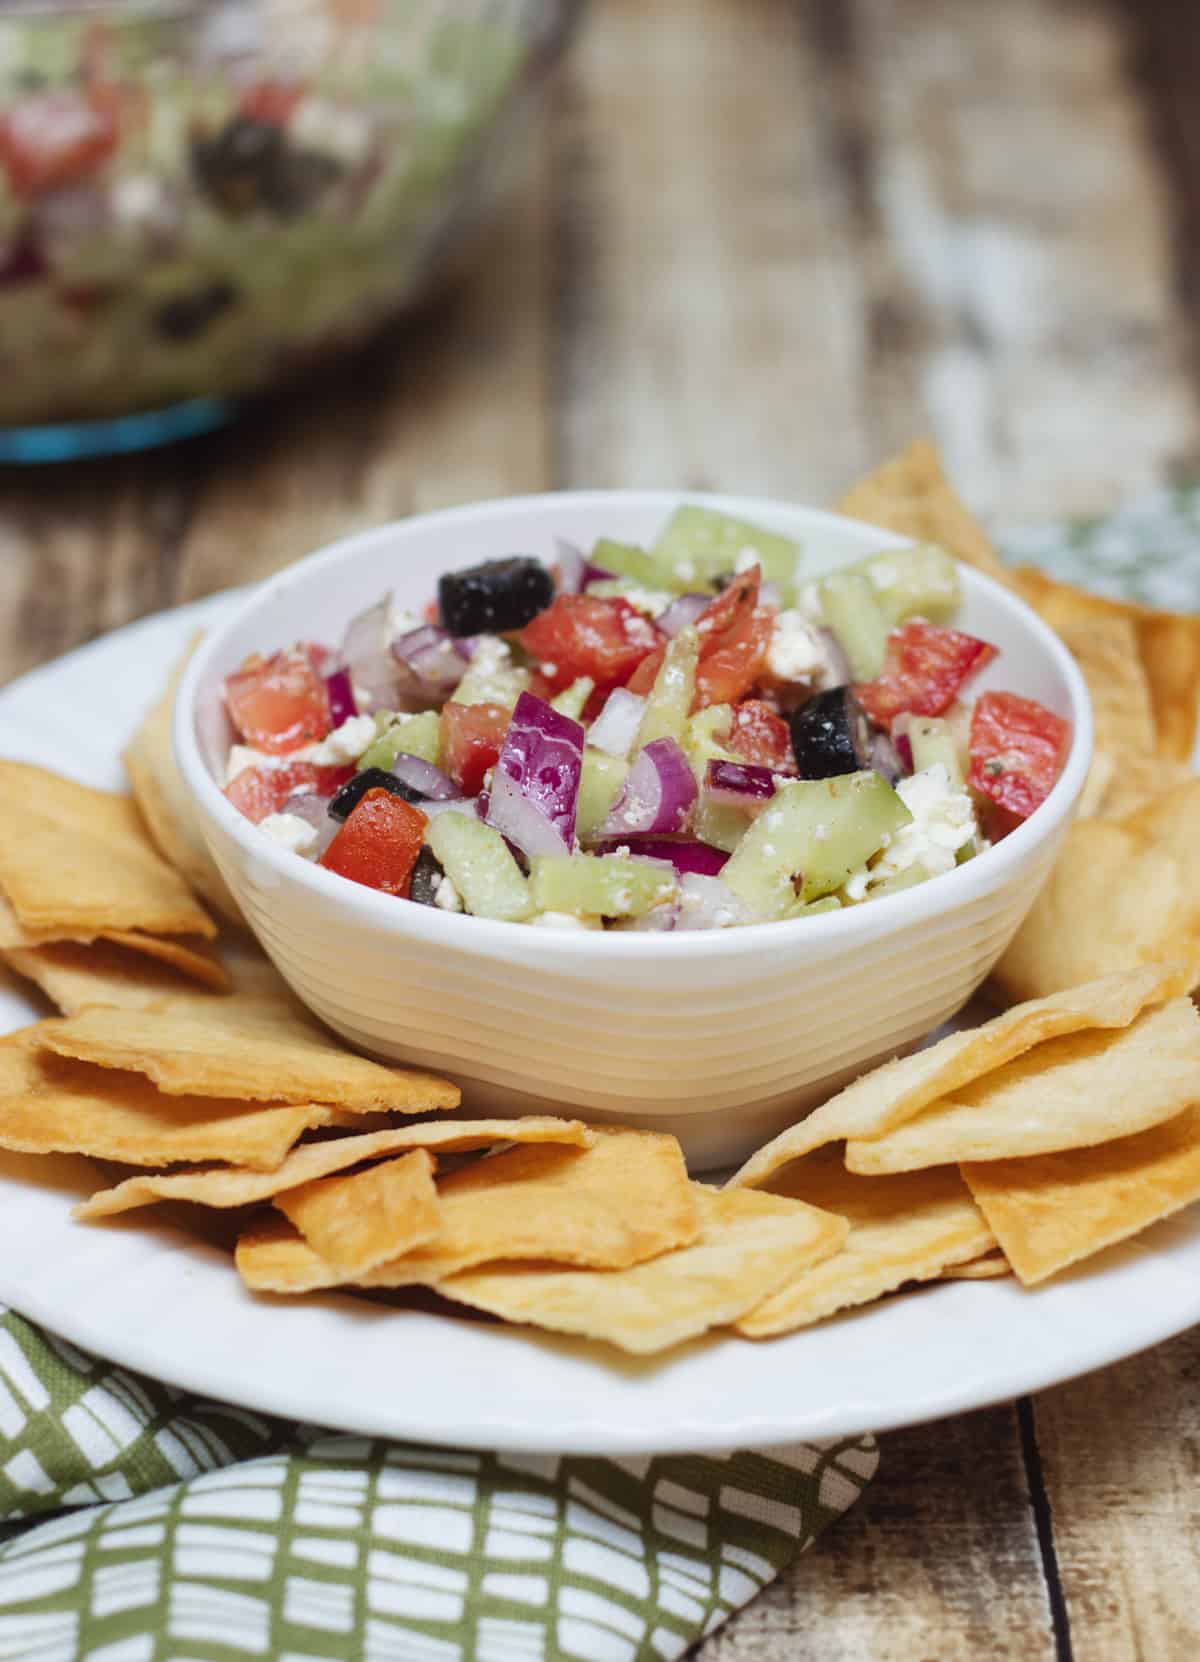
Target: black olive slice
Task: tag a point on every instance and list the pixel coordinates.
(494, 597)
(831, 734)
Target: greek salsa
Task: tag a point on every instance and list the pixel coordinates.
(692, 735)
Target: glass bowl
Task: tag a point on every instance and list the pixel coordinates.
(198, 197)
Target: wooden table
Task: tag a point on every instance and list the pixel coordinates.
(758, 246)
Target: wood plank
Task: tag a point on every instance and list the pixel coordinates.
(938, 1561)
(710, 280)
(1021, 285)
(1120, 1455)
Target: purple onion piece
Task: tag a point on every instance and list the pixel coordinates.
(342, 702)
(708, 903)
(366, 653)
(657, 797)
(431, 664)
(615, 728)
(535, 785)
(686, 856)
(738, 784)
(314, 811)
(904, 751)
(596, 574)
(886, 759)
(572, 564)
(682, 612)
(424, 777)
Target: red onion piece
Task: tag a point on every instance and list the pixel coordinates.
(535, 785)
(615, 728)
(575, 570)
(366, 653)
(682, 612)
(738, 784)
(708, 903)
(342, 702)
(434, 664)
(424, 777)
(685, 856)
(314, 811)
(657, 797)
(887, 757)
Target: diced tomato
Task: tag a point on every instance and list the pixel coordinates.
(580, 634)
(733, 662)
(270, 102)
(379, 843)
(257, 792)
(279, 703)
(471, 736)
(318, 655)
(732, 606)
(54, 138)
(924, 670)
(645, 675)
(1017, 751)
(761, 737)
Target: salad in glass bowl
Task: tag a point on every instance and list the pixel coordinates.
(685, 736)
(197, 196)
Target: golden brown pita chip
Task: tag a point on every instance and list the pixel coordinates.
(51, 1105)
(902, 1229)
(195, 958)
(991, 1267)
(895, 1092)
(625, 1199)
(355, 1222)
(1106, 649)
(73, 977)
(1057, 1209)
(248, 1046)
(748, 1244)
(166, 803)
(1113, 900)
(1072, 1092)
(76, 859)
(221, 1187)
(1168, 646)
(912, 496)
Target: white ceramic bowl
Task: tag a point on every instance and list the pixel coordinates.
(722, 1038)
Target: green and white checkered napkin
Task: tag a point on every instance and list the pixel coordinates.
(184, 1531)
(180, 1530)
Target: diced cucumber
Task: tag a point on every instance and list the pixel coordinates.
(649, 601)
(914, 582)
(477, 861)
(571, 700)
(813, 908)
(414, 735)
(697, 545)
(599, 787)
(853, 613)
(670, 698)
(600, 885)
(626, 560)
(812, 836)
(909, 878)
(713, 822)
(932, 741)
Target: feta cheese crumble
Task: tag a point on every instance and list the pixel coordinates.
(796, 651)
(565, 920)
(345, 744)
(447, 896)
(943, 822)
(291, 832)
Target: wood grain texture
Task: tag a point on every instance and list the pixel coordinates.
(1120, 1453)
(939, 1560)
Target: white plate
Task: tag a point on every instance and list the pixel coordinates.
(151, 1297)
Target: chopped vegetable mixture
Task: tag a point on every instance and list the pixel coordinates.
(690, 736)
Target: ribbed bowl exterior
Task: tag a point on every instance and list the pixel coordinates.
(721, 1055)
(720, 1038)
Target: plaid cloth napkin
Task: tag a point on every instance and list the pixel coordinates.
(138, 1524)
